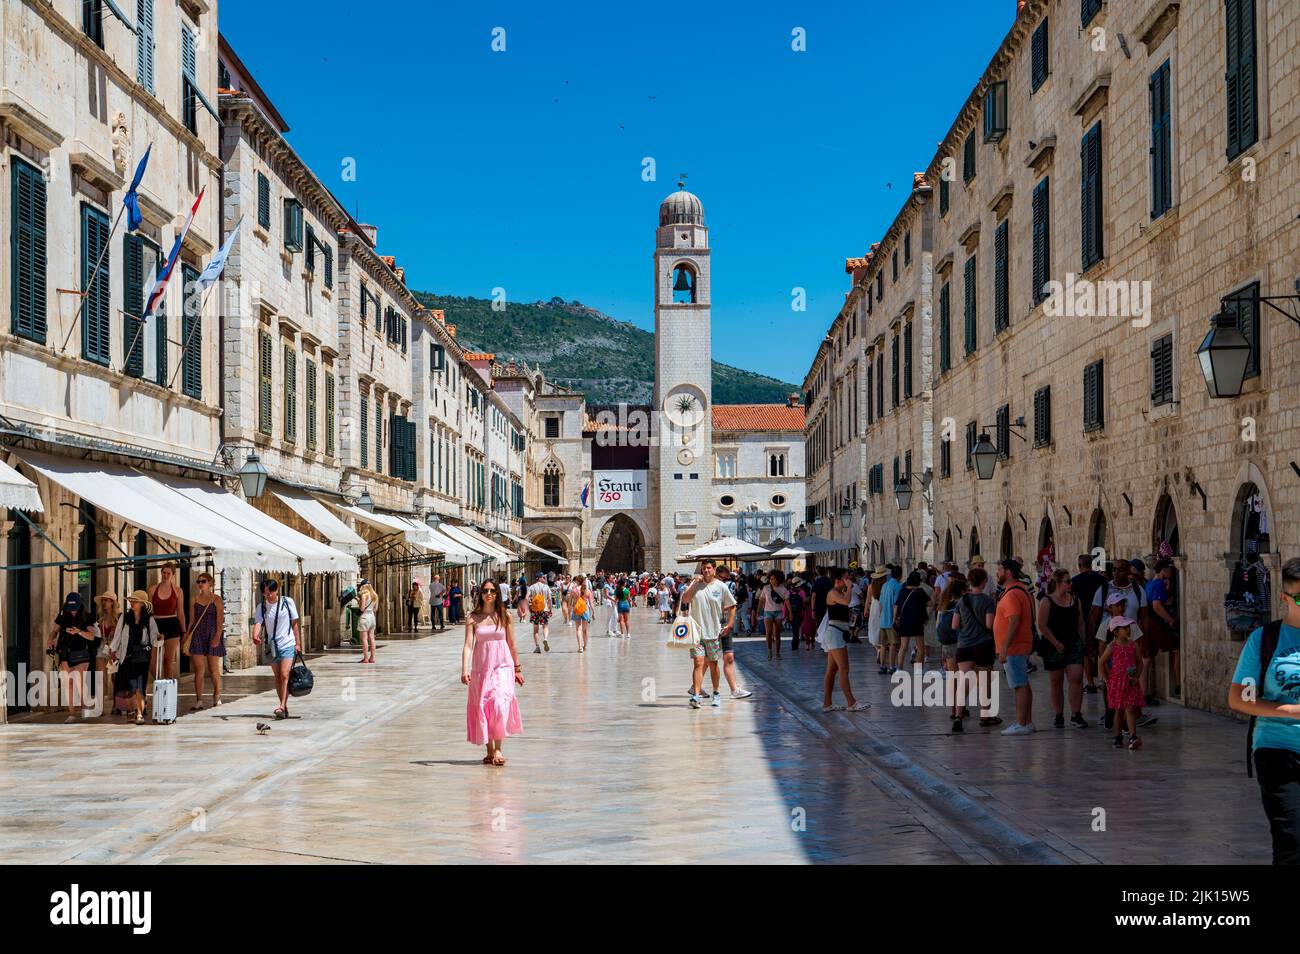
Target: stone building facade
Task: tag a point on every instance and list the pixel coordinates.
(1118, 172)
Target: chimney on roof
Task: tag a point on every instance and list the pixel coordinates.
(401, 273)
(794, 398)
(371, 233)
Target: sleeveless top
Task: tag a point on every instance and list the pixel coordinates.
(1063, 621)
(838, 612)
(165, 605)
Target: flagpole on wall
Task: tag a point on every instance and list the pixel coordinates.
(219, 260)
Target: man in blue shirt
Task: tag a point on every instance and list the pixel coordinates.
(1275, 702)
(888, 597)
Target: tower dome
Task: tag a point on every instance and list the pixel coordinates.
(681, 208)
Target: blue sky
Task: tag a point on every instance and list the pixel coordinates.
(523, 169)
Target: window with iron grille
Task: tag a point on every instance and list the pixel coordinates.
(1240, 78)
(1094, 413)
(552, 425)
(1004, 432)
(1043, 416)
(1001, 279)
(1162, 370)
(1042, 237)
(1244, 303)
(1038, 69)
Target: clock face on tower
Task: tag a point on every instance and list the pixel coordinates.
(684, 407)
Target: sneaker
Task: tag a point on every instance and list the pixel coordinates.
(741, 694)
(537, 649)
(546, 645)
(1119, 741)
(717, 700)
(884, 670)
(1059, 721)
(1134, 743)
(1146, 720)
(695, 702)
(1078, 721)
(1016, 728)
(957, 726)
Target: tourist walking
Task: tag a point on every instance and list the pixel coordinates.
(611, 607)
(207, 645)
(947, 628)
(1084, 585)
(169, 613)
(1121, 667)
(909, 621)
(666, 600)
(368, 604)
(728, 647)
(623, 597)
(976, 650)
(1013, 635)
(581, 611)
(774, 600)
(437, 598)
(489, 666)
(1162, 632)
(277, 618)
(540, 607)
(414, 606)
(1060, 624)
(712, 608)
(455, 599)
(136, 636)
(834, 639)
(73, 640)
(107, 612)
(888, 599)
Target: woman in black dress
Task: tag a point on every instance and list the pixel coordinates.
(73, 640)
(136, 635)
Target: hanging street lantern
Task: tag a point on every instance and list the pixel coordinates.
(903, 491)
(366, 502)
(1224, 354)
(846, 516)
(985, 456)
(252, 477)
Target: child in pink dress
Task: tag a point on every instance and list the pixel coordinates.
(1121, 667)
(489, 665)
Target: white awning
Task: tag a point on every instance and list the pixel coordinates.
(469, 537)
(193, 512)
(434, 540)
(415, 533)
(318, 516)
(532, 546)
(388, 523)
(17, 491)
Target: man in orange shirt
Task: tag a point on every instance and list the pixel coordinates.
(1014, 638)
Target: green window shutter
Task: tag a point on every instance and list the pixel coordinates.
(329, 414)
(365, 432)
(968, 159)
(379, 437)
(264, 383)
(292, 225)
(907, 361)
(191, 336)
(1039, 70)
(1240, 78)
(1162, 198)
(144, 44)
(309, 249)
(410, 451)
(1094, 414)
(27, 251)
(893, 372)
(1001, 279)
(290, 394)
(970, 316)
(263, 201)
(1042, 240)
(945, 328)
(1090, 207)
(1089, 9)
(133, 265)
(328, 254)
(310, 369)
(95, 311)
(394, 446)
(944, 197)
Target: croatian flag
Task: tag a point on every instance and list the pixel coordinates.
(212, 272)
(154, 293)
(585, 488)
(131, 200)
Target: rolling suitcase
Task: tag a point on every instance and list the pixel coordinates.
(164, 696)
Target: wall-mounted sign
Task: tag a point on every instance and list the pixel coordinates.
(620, 489)
(686, 518)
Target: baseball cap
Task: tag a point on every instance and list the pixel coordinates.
(1117, 621)
(1115, 597)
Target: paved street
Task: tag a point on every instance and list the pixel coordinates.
(614, 767)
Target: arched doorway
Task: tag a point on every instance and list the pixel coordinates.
(1007, 547)
(621, 546)
(555, 544)
(974, 542)
(1251, 525)
(1250, 589)
(1098, 535)
(1046, 544)
(1164, 532)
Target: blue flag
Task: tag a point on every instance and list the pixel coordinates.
(131, 200)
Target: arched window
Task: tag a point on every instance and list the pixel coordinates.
(975, 541)
(684, 285)
(1008, 547)
(551, 476)
(776, 465)
(1164, 533)
(947, 548)
(1098, 534)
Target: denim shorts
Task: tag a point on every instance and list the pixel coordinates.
(1017, 670)
(833, 638)
(280, 655)
(771, 614)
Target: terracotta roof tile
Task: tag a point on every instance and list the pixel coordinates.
(479, 356)
(757, 417)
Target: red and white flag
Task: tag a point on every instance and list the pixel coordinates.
(154, 294)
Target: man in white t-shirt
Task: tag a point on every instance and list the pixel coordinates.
(276, 618)
(538, 600)
(437, 591)
(709, 603)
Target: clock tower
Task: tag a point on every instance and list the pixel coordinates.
(683, 453)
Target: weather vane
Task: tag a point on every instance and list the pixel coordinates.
(681, 180)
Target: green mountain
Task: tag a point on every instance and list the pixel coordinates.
(607, 359)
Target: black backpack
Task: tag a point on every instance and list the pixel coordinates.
(1268, 640)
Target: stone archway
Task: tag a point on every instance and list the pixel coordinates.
(621, 545)
(1007, 546)
(555, 544)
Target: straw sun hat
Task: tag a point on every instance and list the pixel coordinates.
(140, 596)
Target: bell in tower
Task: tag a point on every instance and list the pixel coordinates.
(683, 286)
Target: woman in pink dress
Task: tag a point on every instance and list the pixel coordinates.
(489, 665)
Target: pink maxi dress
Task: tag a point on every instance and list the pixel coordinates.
(492, 711)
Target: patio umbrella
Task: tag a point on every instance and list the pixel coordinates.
(815, 544)
(726, 548)
(790, 553)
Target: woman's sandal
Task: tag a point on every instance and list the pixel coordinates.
(280, 714)
(498, 760)
(487, 760)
